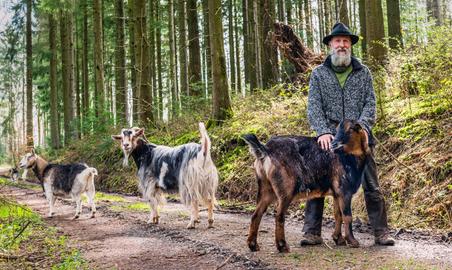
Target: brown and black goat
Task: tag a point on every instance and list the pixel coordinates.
(290, 168)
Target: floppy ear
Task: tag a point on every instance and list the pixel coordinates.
(139, 132)
(116, 137)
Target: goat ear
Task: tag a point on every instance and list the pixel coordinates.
(33, 151)
(358, 127)
(116, 137)
(139, 132)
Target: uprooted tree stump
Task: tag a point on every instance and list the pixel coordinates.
(293, 49)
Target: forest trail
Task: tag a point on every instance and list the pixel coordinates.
(119, 238)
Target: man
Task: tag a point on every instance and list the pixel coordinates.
(341, 88)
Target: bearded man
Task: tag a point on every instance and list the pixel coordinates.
(341, 88)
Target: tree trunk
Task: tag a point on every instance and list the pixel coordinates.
(231, 47)
(246, 38)
(394, 28)
(206, 41)
(220, 93)
(308, 23)
(269, 58)
(252, 45)
(172, 66)
(143, 64)
(194, 49)
(281, 11)
(375, 32)
(327, 19)
(67, 74)
(29, 75)
(85, 74)
(182, 47)
(152, 56)
(362, 25)
(237, 49)
(133, 75)
(120, 66)
(99, 59)
(343, 12)
(433, 11)
(159, 61)
(54, 131)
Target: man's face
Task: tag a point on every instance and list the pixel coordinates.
(340, 50)
(341, 44)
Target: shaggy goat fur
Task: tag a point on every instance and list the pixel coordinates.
(187, 169)
(60, 180)
(294, 167)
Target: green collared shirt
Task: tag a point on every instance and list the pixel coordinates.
(342, 77)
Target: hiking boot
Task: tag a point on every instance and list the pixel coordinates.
(384, 240)
(309, 239)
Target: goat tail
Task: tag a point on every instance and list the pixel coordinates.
(256, 147)
(205, 140)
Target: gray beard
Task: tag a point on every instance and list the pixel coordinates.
(341, 60)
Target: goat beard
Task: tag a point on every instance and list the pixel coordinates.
(125, 161)
(341, 60)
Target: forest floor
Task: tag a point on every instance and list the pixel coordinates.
(120, 238)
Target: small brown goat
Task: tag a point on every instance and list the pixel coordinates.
(289, 168)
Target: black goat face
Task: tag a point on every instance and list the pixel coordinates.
(350, 138)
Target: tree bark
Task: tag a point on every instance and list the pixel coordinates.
(133, 75)
(308, 23)
(54, 131)
(194, 49)
(85, 74)
(142, 64)
(394, 28)
(237, 50)
(206, 42)
(362, 25)
(269, 58)
(181, 12)
(99, 60)
(376, 50)
(120, 66)
(29, 75)
(172, 66)
(220, 93)
(343, 12)
(231, 47)
(159, 61)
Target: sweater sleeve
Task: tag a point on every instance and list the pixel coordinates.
(316, 115)
(368, 114)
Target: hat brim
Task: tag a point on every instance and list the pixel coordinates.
(327, 39)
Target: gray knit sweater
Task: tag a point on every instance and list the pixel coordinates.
(329, 103)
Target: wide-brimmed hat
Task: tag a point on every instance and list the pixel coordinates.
(340, 29)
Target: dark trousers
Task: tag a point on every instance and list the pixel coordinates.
(375, 204)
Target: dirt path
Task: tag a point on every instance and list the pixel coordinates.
(119, 238)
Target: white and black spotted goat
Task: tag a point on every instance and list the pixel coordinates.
(187, 168)
(62, 180)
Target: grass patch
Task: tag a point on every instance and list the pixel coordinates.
(24, 234)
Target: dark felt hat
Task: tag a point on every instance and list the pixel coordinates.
(340, 29)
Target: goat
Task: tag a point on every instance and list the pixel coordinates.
(289, 168)
(59, 180)
(187, 168)
(11, 173)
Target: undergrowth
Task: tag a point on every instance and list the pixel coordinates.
(26, 242)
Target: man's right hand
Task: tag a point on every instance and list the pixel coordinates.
(325, 141)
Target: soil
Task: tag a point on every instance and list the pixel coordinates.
(119, 238)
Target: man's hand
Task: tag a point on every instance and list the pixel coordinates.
(325, 141)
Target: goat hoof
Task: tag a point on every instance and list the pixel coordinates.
(253, 246)
(75, 217)
(352, 242)
(197, 221)
(191, 226)
(210, 224)
(155, 220)
(339, 240)
(93, 215)
(283, 247)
